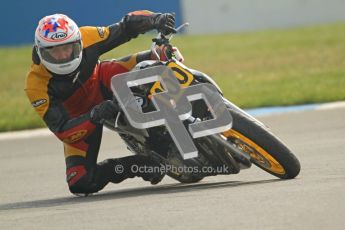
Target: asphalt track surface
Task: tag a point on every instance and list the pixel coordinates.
(34, 194)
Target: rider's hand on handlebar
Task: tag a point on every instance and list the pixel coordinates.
(165, 23)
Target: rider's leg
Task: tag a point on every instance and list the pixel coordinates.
(85, 176)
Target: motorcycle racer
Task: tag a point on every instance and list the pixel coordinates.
(69, 87)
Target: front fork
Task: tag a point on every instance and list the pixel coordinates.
(241, 159)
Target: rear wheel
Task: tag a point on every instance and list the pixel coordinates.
(266, 150)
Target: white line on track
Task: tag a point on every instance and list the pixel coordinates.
(331, 105)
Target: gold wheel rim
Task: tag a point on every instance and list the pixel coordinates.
(258, 155)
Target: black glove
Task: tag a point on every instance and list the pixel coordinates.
(140, 22)
(165, 23)
(103, 111)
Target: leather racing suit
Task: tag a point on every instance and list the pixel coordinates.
(65, 102)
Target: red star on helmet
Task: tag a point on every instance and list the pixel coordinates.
(63, 24)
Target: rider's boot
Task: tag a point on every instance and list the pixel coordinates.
(120, 169)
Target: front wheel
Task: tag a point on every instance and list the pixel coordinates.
(266, 150)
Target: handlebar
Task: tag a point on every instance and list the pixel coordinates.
(162, 39)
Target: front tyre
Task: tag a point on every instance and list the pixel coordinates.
(266, 150)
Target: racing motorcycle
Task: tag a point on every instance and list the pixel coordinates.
(247, 142)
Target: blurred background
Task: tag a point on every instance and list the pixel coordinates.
(205, 16)
(263, 52)
(103, 12)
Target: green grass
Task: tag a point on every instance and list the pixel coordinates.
(276, 67)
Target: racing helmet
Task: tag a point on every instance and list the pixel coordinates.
(58, 44)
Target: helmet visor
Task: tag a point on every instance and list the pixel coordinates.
(62, 53)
